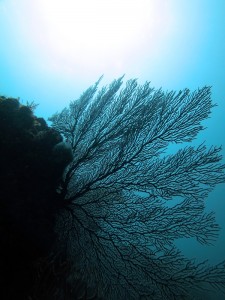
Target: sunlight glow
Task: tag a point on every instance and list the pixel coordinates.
(81, 39)
(99, 33)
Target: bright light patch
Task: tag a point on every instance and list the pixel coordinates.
(99, 33)
(73, 39)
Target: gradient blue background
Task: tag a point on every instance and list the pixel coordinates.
(189, 52)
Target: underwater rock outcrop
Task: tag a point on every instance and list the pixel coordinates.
(30, 171)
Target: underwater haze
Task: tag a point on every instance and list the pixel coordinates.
(51, 51)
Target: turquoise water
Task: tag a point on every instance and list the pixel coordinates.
(190, 55)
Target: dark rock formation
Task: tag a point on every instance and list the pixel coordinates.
(29, 173)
